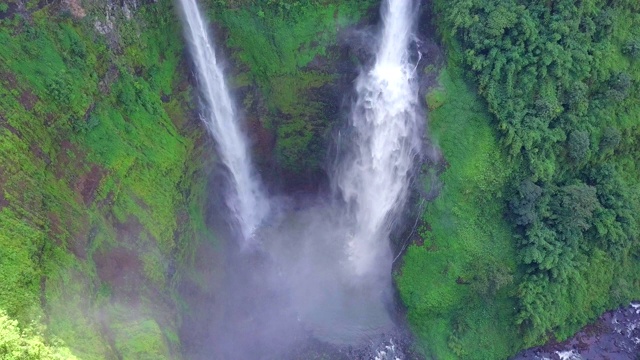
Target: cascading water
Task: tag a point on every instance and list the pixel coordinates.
(247, 201)
(311, 246)
(374, 179)
(295, 291)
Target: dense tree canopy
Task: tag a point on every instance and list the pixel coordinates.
(562, 81)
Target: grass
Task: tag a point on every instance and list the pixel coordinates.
(438, 281)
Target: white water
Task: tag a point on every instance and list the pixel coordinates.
(385, 122)
(247, 201)
(297, 285)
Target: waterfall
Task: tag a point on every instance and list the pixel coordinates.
(373, 178)
(297, 287)
(247, 201)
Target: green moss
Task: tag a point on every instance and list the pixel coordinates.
(93, 160)
(465, 227)
(288, 51)
(141, 339)
(436, 98)
(283, 42)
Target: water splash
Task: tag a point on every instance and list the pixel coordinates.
(385, 122)
(388, 352)
(247, 201)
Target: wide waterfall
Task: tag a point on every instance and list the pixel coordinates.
(246, 201)
(373, 179)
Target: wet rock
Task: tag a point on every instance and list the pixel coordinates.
(615, 336)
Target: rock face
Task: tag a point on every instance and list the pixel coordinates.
(615, 336)
(100, 152)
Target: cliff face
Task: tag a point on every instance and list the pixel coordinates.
(102, 173)
(106, 204)
(292, 69)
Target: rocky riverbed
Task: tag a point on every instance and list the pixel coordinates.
(615, 336)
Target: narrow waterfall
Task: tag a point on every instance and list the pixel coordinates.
(247, 202)
(373, 180)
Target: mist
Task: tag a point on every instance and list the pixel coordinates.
(298, 287)
(317, 269)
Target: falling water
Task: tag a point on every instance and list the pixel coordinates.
(247, 201)
(296, 288)
(374, 179)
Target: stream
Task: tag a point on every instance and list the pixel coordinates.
(615, 336)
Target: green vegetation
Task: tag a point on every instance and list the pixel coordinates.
(457, 284)
(288, 48)
(28, 344)
(95, 185)
(104, 177)
(560, 82)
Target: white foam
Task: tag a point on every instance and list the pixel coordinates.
(385, 124)
(569, 355)
(247, 202)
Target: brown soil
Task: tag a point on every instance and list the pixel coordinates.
(109, 77)
(55, 226)
(28, 100)
(79, 238)
(75, 8)
(88, 184)
(107, 201)
(3, 202)
(5, 124)
(143, 205)
(9, 80)
(37, 151)
(49, 119)
(129, 231)
(69, 162)
(121, 268)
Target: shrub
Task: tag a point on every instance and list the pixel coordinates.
(27, 344)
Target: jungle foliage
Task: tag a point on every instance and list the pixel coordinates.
(28, 344)
(561, 81)
(537, 117)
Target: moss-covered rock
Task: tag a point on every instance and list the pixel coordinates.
(100, 152)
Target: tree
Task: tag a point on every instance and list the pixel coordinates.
(573, 207)
(525, 204)
(27, 344)
(610, 139)
(632, 48)
(578, 146)
(489, 277)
